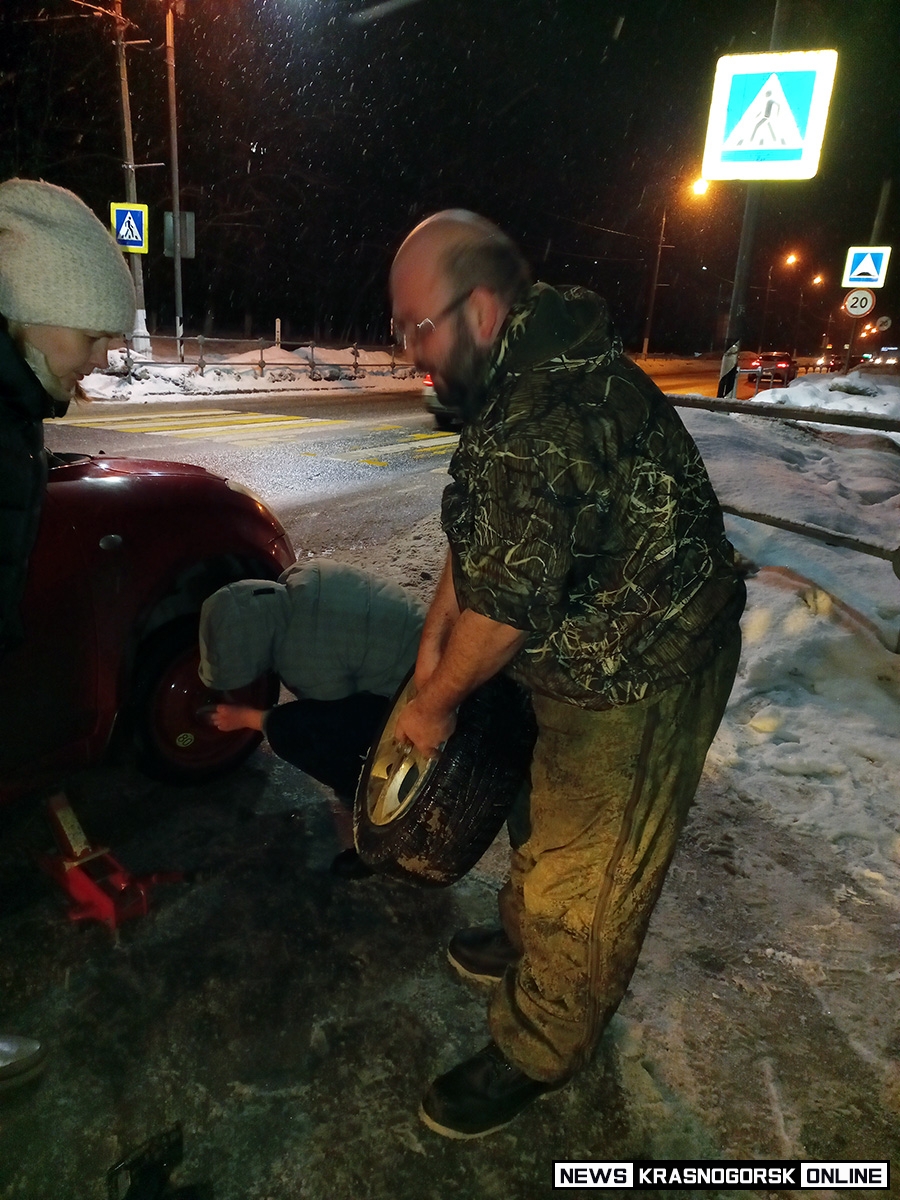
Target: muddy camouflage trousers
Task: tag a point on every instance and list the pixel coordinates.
(610, 792)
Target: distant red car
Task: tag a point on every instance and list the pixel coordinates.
(126, 553)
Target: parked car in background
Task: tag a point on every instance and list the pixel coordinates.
(126, 553)
(830, 362)
(445, 418)
(771, 367)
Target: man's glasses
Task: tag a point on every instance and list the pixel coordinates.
(405, 335)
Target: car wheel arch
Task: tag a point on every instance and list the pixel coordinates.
(175, 604)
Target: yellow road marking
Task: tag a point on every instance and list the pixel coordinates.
(253, 428)
(442, 442)
(189, 424)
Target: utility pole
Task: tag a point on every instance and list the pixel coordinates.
(176, 201)
(874, 238)
(141, 338)
(653, 285)
(762, 332)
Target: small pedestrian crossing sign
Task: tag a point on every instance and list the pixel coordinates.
(866, 266)
(767, 116)
(129, 226)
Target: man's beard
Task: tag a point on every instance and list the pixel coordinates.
(462, 376)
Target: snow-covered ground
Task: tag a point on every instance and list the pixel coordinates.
(813, 722)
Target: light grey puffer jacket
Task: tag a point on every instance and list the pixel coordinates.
(327, 630)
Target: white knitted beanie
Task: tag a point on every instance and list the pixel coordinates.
(58, 264)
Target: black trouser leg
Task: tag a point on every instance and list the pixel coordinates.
(328, 739)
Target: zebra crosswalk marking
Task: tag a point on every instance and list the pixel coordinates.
(194, 422)
(240, 427)
(438, 442)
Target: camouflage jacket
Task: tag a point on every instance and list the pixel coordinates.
(581, 513)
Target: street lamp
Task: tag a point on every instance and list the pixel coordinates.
(141, 338)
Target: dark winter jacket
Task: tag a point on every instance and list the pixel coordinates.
(580, 512)
(23, 478)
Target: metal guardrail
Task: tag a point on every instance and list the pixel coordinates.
(201, 360)
(829, 537)
(785, 412)
(815, 416)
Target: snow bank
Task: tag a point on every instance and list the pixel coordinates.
(285, 370)
(811, 728)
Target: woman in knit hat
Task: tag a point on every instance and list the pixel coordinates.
(64, 292)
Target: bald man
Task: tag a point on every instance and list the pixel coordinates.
(588, 559)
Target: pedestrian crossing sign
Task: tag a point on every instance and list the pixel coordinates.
(866, 266)
(768, 113)
(129, 226)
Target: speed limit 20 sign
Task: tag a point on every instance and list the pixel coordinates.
(859, 302)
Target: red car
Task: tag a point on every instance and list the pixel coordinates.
(126, 553)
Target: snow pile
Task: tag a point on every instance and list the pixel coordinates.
(811, 728)
(285, 370)
(865, 391)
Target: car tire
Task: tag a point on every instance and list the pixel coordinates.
(446, 423)
(171, 738)
(429, 821)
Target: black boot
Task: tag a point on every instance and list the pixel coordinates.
(481, 954)
(480, 1095)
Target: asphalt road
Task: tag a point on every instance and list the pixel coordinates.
(322, 463)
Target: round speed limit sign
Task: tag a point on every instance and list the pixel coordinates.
(859, 302)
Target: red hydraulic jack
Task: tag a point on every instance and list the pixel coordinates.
(99, 888)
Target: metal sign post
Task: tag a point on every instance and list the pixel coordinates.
(766, 121)
(141, 337)
(176, 203)
(857, 303)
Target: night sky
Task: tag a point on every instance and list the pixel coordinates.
(310, 144)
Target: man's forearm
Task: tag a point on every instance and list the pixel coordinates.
(458, 651)
(442, 616)
(476, 650)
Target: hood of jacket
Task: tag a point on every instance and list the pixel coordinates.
(242, 627)
(554, 329)
(328, 630)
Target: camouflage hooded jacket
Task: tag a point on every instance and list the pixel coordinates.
(581, 513)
